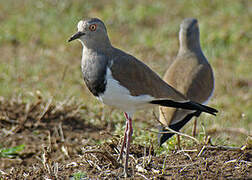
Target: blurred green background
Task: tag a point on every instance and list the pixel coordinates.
(35, 55)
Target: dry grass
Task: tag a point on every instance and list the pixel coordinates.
(60, 144)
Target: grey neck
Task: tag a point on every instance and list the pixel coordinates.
(189, 42)
(97, 46)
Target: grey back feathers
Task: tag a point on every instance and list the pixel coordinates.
(140, 79)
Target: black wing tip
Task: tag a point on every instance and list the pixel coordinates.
(163, 137)
(210, 110)
(190, 105)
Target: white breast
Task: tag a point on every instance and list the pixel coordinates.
(118, 96)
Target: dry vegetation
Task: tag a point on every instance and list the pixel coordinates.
(58, 145)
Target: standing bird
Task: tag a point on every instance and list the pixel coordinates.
(191, 74)
(119, 79)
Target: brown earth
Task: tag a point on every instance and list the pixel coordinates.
(59, 143)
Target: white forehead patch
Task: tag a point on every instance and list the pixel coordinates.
(80, 26)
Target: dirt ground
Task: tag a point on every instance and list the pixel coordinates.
(60, 144)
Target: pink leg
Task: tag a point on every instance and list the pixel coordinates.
(124, 138)
(129, 135)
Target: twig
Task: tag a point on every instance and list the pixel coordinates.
(71, 164)
(141, 175)
(237, 160)
(140, 168)
(150, 156)
(132, 157)
(187, 150)
(133, 168)
(2, 172)
(105, 154)
(201, 151)
(246, 162)
(207, 140)
(175, 132)
(223, 147)
(63, 76)
(8, 120)
(186, 154)
(144, 156)
(49, 148)
(105, 173)
(94, 164)
(95, 157)
(230, 161)
(65, 151)
(182, 165)
(164, 164)
(181, 170)
(61, 132)
(23, 121)
(56, 169)
(156, 118)
(46, 159)
(45, 110)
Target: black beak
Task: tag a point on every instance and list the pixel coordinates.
(75, 36)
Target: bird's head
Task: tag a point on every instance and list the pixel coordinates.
(92, 33)
(189, 27)
(189, 33)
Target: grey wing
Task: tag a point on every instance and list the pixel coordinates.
(140, 79)
(202, 85)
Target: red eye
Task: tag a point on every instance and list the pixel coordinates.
(92, 27)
